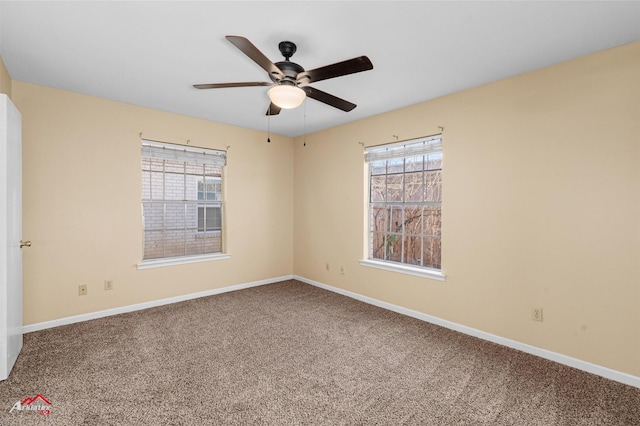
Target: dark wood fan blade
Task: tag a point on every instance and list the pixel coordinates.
(224, 85)
(256, 55)
(338, 69)
(273, 109)
(328, 99)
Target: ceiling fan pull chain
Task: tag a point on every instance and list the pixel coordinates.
(268, 128)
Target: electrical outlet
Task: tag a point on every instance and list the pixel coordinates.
(108, 284)
(536, 314)
(82, 290)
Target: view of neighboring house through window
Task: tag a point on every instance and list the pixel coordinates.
(181, 200)
(405, 196)
(209, 214)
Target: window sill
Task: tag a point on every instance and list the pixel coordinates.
(170, 261)
(433, 274)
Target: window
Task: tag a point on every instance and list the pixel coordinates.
(405, 196)
(181, 200)
(209, 219)
(209, 216)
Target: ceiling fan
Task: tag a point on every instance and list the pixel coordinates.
(289, 80)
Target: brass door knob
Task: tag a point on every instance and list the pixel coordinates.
(25, 243)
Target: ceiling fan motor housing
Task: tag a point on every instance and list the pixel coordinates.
(290, 69)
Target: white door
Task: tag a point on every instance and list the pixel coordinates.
(10, 235)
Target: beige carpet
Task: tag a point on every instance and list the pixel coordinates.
(289, 353)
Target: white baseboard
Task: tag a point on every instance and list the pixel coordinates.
(139, 306)
(605, 372)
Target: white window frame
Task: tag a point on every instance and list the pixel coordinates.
(191, 156)
(399, 150)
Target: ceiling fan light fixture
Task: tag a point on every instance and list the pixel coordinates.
(287, 96)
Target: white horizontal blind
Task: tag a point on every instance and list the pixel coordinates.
(189, 154)
(409, 148)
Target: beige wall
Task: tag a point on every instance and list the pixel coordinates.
(81, 203)
(5, 79)
(541, 208)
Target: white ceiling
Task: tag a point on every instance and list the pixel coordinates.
(149, 53)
